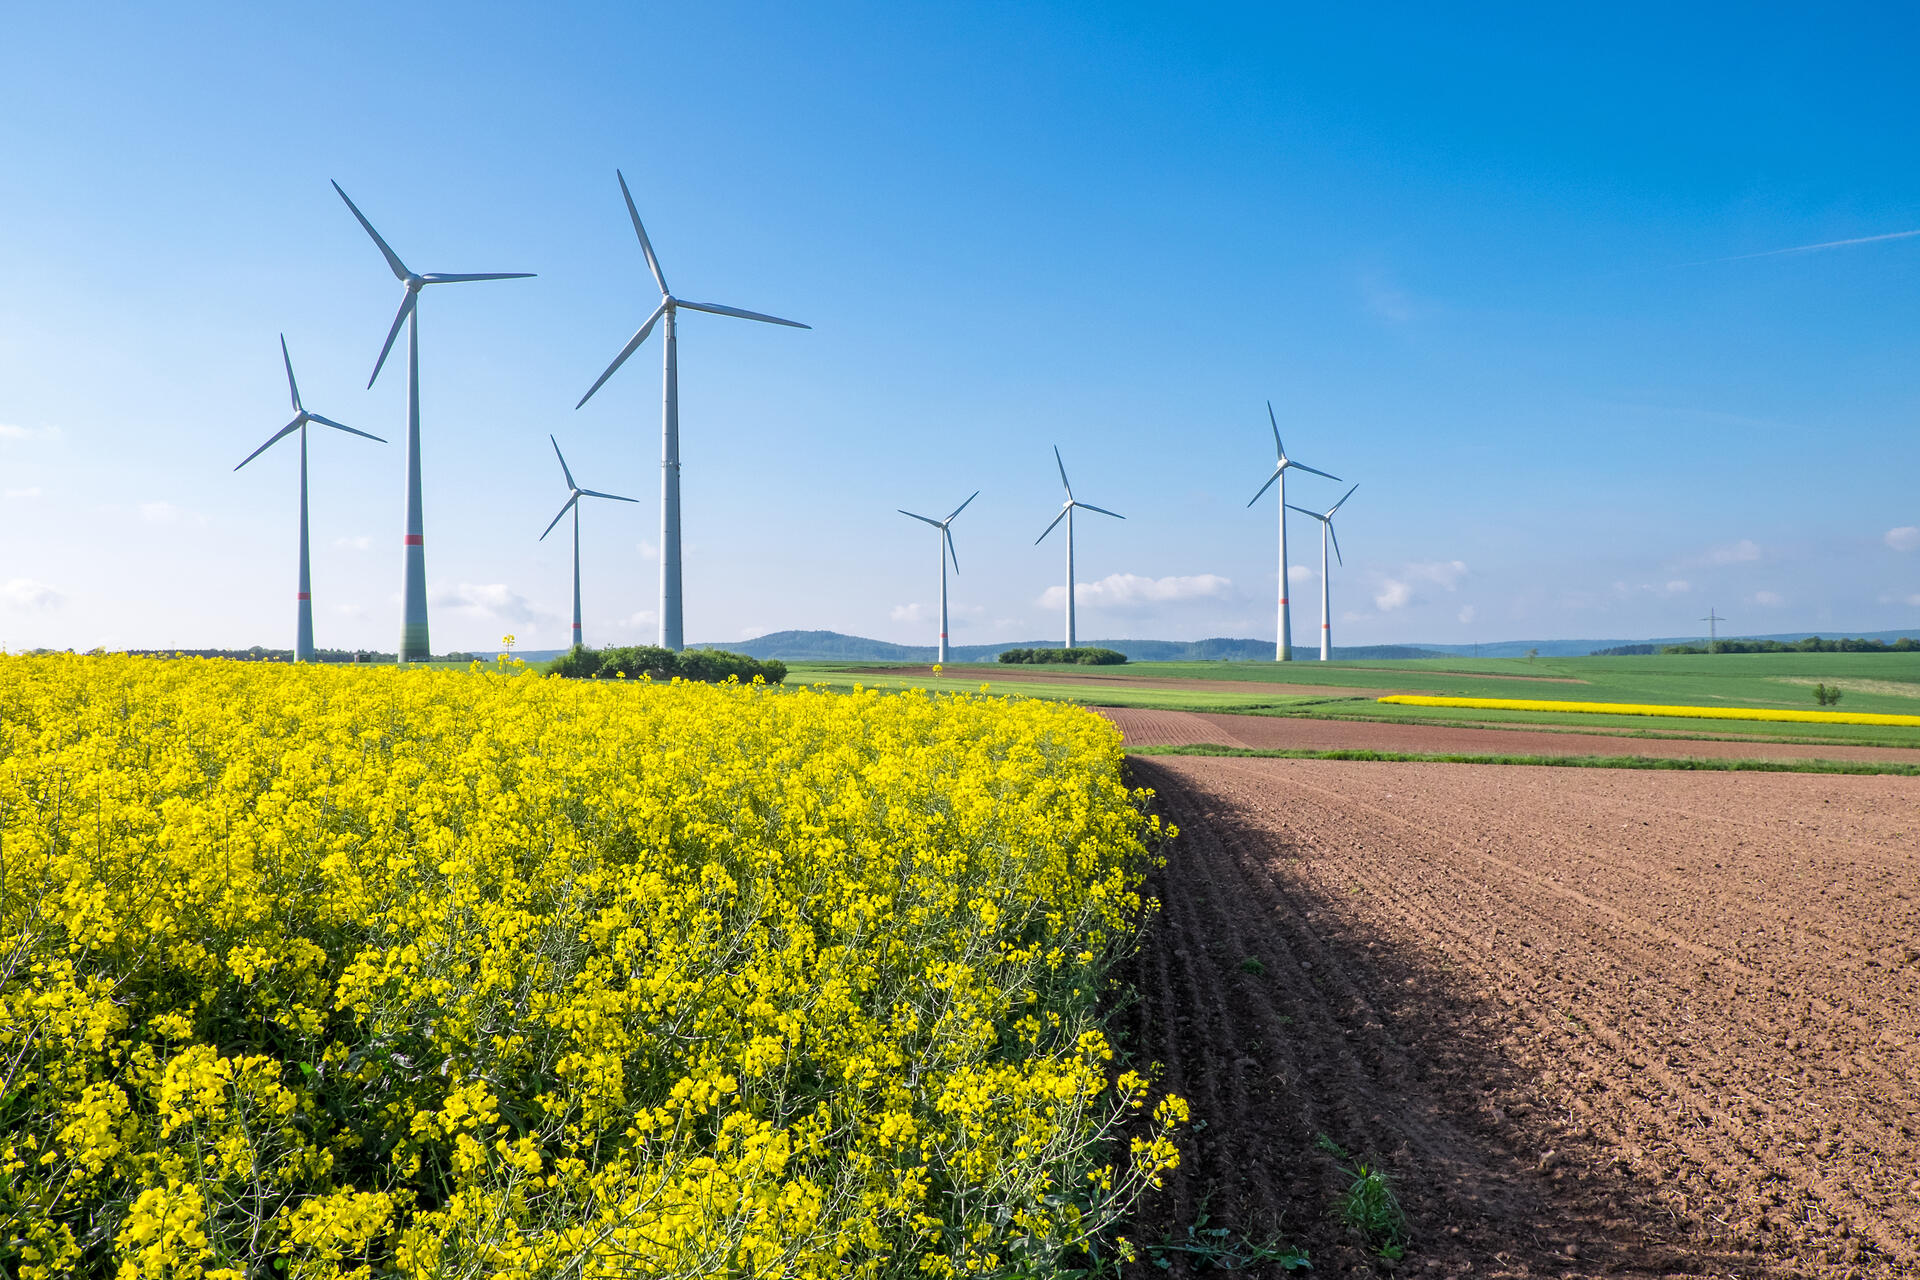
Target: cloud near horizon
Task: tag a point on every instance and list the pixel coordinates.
(1398, 591)
(1132, 592)
(29, 593)
(489, 600)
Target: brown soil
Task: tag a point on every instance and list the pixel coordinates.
(1188, 728)
(1607, 1023)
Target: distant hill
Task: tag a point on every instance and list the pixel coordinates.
(833, 646)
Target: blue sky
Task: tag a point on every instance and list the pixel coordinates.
(1487, 263)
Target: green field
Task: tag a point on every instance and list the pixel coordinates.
(1880, 683)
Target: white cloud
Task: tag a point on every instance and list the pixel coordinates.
(1905, 538)
(159, 513)
(26, 593)
(1895, 597)
(1768, 598)
(360, 543)
(647, 550)
(1671, 587)
(1385, 298)
(31, 491)
(489, 600)
(1735, 552)
(910, 613)
(13, 431)
(1301, 571)
(1398, 591)
(1467, 613)
(1130, 591)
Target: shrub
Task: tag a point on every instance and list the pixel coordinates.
(1825, 694)
(1083, 656)
(709, 666)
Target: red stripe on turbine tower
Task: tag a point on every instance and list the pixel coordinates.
(413, 540)
(302, 595)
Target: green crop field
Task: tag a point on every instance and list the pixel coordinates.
(1879, 683)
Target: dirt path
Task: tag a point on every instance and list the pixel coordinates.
(1605, 1023)
(1186, 728)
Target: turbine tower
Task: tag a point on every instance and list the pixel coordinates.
(671, 634)
(1326, 602)
(1283, 645)
(573, 501)
(946, 549)
(413, 619)
(1066, 513)
(303, 627)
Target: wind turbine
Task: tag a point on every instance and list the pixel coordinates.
(946, 549)
(573, 501)
(413, 620)
(671, 634)
(1326, 603)
(1283, 646)
(1066, 513)
(303, 628)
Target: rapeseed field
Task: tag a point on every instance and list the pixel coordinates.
(1790, 715)
(318, 971)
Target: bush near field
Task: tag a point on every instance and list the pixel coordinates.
(1085, 657)
(316, 971)
(709, 666)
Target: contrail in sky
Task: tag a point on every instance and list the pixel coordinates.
(1806, 248)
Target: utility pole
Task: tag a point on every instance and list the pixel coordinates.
(1713, 621)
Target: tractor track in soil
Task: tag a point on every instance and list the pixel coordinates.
(1593, 1024)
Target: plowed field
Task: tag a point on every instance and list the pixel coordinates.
(1608, 1023)
(1185, 728)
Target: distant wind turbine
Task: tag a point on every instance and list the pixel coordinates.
(946, 550)
(573, 502)
(303, 628)
(1066, 513)
(1326, 600)
(413, 620)
(1283, 645)
(671, 631)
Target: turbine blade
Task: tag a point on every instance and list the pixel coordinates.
(633, 344)
(564, 469)
(276, 438)
(1088, 506)
(947, 534)
(923, 519)
(441, 277)
(646, 245)
(1263, 488)
(1301, 466)
(1049, 529)
(719, 310)
(341, 426)
(556, 520)
(963, 506)
(1063, 472)
(595, 493)
(1279, 450)
(1343, 499)
(1338, 558)
(406, 309)
(393, 259)
(1303, 511)
(293, 388)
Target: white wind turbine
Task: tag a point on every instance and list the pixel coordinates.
(414, 646)
(573, 503)
(946, 550)
(1066, 513)
(671, 631)
(1283, 646)
(1326, 603)
(303, 626)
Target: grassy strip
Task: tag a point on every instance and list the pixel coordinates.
(1696, 764)
(1369, 711)
(1787, 715)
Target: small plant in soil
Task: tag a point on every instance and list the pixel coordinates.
(1369, 1207)
(1208, 1248)
(1253, 966)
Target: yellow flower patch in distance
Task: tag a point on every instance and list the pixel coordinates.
(352, 972)
(1649, 709)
